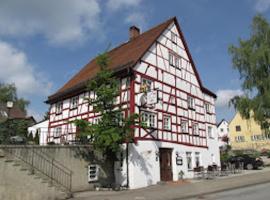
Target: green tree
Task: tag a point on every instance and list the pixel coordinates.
(36, 138)
(8, 92)
(12, 127)
(252, 60)
(111, 129)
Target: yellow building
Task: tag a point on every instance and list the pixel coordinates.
(246, 134)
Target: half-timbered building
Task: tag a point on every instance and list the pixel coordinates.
(159, 81)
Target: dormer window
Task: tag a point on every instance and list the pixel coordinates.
(74, 102)
(191, 102)
(59, 107)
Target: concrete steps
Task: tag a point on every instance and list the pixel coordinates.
(50, 190)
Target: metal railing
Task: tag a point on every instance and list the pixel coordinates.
(43, 163)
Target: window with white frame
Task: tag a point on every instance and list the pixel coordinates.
(167, 122)
(146, 85)
(57, 131)
(177, 62)
(191, 102)
(184, 127)
(96, 120)
(173, 37)
(207, 108)
(59, 107)
(195, 129)
(210, 132)
(197, 159)
(149, 119)
(240, 138)
(189, 160)
(171, 59)
(121, 118)
(74, 101)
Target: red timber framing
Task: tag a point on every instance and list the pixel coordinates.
(174, 135)
(173, 106)
(126, 103)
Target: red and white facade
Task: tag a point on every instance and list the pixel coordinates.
(182, 120)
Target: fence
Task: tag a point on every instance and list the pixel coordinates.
(43, 163)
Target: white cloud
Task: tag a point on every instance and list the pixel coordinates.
(119, 4)
(60, 21)
(15, 68)
(224, 96)
(262, 5)
(137, 19)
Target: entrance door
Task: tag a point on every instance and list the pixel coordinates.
(165, 157)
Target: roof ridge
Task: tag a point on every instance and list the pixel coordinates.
(139, 36)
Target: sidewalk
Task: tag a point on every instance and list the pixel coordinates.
(175, 191)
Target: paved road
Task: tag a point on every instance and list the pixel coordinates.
(188, 190)
(256, 192)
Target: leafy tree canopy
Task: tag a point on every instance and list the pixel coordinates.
(110, 129)
(251, 58)
(8, 92)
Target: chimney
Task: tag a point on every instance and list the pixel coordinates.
(134, 32)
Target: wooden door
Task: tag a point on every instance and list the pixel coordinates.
(165, 158)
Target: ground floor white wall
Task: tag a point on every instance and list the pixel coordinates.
(144, 163)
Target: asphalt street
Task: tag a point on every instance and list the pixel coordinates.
(256, 192)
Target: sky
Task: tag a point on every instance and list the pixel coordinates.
(44, 43)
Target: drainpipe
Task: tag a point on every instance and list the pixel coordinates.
(127, 150)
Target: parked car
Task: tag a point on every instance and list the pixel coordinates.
(17, 140)
(250, 162)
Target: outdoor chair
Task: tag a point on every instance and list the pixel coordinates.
(199, 172)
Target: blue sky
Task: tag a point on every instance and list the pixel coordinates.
(44, 43)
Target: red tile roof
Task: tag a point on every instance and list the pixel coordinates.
(124, 56)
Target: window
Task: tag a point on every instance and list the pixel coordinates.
(184, 127)
(167, 122)
(240, 138)
(238, 128)
(74, 102)
(221, 130)
(96, 120)
(120, 118)
(59, 107)
(191, 103)
(207, 108)
(197, 159)
(171, 60)
(149, 119)
(189, 160)
(210, 132)
(57, 131)
(173, 37)
(146, 85)
(177, 62)
(195, 129)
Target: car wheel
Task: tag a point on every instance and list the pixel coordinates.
(249, 166)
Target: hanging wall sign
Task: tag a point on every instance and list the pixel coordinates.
(179, 160)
